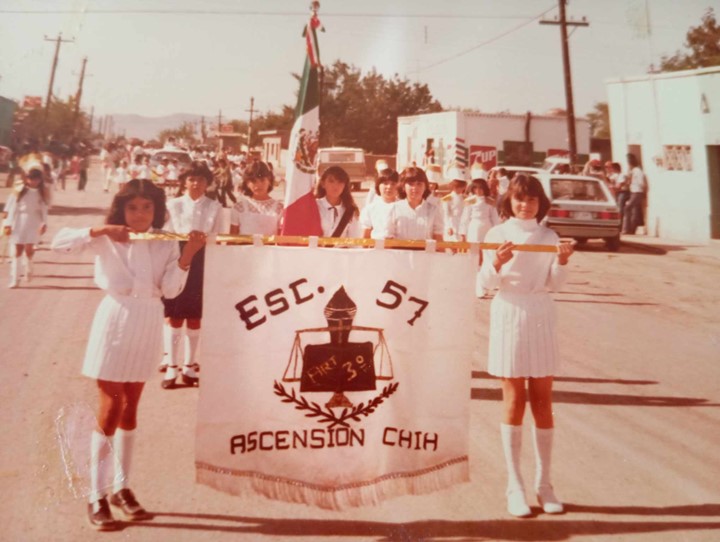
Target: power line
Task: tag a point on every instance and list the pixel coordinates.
(484, 43)
(96, 11)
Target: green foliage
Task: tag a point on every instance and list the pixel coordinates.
(703, 42)
(186, 132)
(359, 110)
(60, 126)
(599, 119)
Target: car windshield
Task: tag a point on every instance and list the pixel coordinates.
(577, 190)
(181, 157)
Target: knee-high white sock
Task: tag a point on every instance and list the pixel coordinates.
(543, 454)
(175, 345)
(543, 439)
(101, 461)
(167, 343)
(13, 271)
(512, 446)
(191, 345)
(123, 442)
(28, 267)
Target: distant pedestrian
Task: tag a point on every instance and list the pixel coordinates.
(633, 212)
(125, 343)
(523, 345)
(453, 204)
(223, 180)
(83, 164)
(26, 219)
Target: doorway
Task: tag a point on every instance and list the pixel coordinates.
(713, 155)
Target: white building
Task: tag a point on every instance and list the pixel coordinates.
(464, 137)
(671, 122)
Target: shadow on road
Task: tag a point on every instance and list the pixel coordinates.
(584, 380)
(559, 528)
(619, 399)
(61, 210)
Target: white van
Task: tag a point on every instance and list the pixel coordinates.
(351, 159)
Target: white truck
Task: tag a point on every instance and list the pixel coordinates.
(464, 138)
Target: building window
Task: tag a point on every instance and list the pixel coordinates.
(677, 157)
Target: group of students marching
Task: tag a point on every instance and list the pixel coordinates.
(154, 289)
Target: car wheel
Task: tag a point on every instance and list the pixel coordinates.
(613, 243)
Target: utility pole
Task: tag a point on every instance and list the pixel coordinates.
(251, 111)
(78, 96)
(92, 114)
(570, 106)
(219, 139)
(57, 41)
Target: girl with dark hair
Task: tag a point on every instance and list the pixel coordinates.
(26, 219)
(256, 212)
(523, 346)
(413, 217)
(191, 212)
(125, 343)
(374, 217)
(338, 212)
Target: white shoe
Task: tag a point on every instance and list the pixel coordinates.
(517, 505)
(13, 283)
(548, 501)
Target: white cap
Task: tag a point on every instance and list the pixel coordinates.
(381, 165)
(456, 174)
(434, 173)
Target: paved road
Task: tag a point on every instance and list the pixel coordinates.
(637, 406)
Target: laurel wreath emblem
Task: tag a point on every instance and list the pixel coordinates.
(326, 415)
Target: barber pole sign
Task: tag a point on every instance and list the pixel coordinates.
(461, 153)
(485, 155)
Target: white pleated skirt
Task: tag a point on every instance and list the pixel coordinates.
(523, 341)
(125, 343)
(26, 230)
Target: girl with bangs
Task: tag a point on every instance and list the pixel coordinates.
(335, 203)
(374, 217)
(523, 346)
(125, 343)
(413, 217)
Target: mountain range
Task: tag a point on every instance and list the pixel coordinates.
(147, 128)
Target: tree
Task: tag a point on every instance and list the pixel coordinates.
(58, 130)
(359, 110)
(703, 41)
(185, 132)
(599, 119)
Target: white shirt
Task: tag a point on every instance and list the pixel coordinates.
(526, 272)
(139, 171)
(375, 217)
(172, 173)
(330, 216)
(452, 205)
(637, 180)
(253, 216)
(421, 223)
(137, 268)
(186, 215)
(503, 184)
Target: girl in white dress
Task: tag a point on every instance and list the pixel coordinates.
(26, 220)
(523, 347)
(121, 175)
(374, 216)
(125, 343)
(413, 217)
(190, 212)
(256, 212)
(338, 212)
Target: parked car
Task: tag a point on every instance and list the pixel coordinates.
(580, 207)
(351, 159)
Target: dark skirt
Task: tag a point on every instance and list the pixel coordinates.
(189, 303)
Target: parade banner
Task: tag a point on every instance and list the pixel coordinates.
(334, 377)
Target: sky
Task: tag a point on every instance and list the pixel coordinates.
(159, 57)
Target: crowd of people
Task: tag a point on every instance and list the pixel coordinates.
(154, 289)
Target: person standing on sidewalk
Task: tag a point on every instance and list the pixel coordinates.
(125, 343)
(633, 212)
(523, 345)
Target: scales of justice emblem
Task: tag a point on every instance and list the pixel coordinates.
(339, 366)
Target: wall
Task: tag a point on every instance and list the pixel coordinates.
(666, 110)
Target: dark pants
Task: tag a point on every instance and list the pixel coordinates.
(622, 198)
(226, 190)
(633, 213)
(83, 179)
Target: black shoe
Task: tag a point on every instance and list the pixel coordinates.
(168, 384)
(125, 500)
(100, 517)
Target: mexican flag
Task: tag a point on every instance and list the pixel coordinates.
(301, 216)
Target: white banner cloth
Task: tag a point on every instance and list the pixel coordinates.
(294, 413)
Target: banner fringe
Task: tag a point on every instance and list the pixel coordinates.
(370, 493)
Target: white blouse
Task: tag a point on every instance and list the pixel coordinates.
(330, 216)
(187, 214)
(421, 223)
(253, 216)
(137, 268)
(375, 217)
(526, 272)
